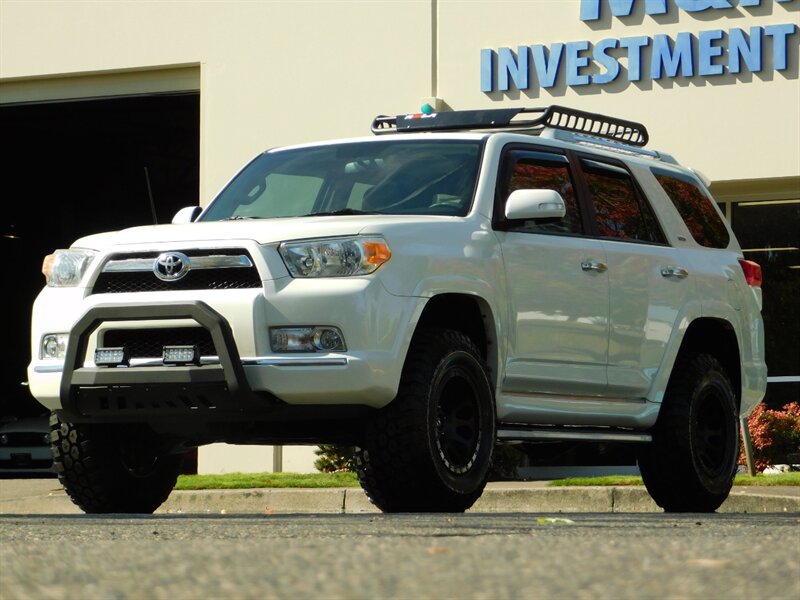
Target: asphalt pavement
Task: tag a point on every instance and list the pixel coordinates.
(46, 496)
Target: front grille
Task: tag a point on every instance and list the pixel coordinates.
(143, 279)
(208, 279)
(149, 343)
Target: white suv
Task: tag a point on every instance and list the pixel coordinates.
(459, 280)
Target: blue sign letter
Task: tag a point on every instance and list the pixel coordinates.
(780, 49)
(547, 64)
(634, 46)
(664, 55)
(575, 62)
(601, 57)
(487, 70)
(758, 2)
(590, 9)
(701, 5)
(508, 67)
(707, 51)
(746, 47)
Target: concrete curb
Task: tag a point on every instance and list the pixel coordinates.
(51, 499)
(538, 500)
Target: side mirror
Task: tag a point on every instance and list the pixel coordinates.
(535, 204)
(186, 215)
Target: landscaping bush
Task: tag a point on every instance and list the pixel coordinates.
(334, 459)
(775, 436)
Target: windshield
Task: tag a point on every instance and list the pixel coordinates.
(418, 177)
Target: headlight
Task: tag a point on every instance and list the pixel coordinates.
(335, 257)
(65, 268)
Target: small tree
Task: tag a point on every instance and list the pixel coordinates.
(775, 435)
(334, 459)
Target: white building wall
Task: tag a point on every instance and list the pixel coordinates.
(218, 459)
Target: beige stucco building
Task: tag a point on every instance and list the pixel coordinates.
(715, 81)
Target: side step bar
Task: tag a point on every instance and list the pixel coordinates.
(583, 434)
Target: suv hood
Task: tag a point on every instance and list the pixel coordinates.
(261, 231)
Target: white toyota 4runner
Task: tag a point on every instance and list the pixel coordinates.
(459, 280)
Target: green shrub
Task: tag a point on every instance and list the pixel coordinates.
(334, 459)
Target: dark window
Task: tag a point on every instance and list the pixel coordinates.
(695, 207)
(620, 211)
(539, 170)
(769, 234)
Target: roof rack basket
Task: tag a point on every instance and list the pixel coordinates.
(555, 117)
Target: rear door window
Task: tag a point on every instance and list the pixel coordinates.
(695, 207)
(620, 210)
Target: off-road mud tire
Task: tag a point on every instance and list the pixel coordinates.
(111, 469)
(430, 449)
(692, 461)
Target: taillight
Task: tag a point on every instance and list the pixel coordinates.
(752, 272)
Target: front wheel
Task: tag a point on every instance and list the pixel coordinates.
(112, 469)
(431, 448)
(692, 461)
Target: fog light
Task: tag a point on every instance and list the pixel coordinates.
(181, 355)
(54, 345)
(111, 357)
(307, 339)
(4, 440)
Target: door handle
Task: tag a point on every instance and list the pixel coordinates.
(674, 271)
(594, 265)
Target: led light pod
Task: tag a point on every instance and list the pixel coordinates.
(112, 357)
(181, 355)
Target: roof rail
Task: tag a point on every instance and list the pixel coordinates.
(555, 117)
(588, 140)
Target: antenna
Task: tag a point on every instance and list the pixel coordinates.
(150, 194)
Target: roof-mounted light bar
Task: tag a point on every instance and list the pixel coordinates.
(555, 117)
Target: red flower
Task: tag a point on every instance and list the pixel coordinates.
(775, 434)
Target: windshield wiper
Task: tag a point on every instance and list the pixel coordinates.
(341, 211)
(239, 218)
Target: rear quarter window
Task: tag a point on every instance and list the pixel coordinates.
(695, 207)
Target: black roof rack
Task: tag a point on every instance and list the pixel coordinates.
(556, 117)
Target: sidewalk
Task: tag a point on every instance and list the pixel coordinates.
(46, 496)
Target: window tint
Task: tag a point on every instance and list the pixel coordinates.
(696, 209)
(769, 234)
(535, 170)
(620, 212)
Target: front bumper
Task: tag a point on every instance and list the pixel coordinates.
(225, 387)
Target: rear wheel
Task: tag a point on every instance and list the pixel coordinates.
(430, 449)
(692, 461)
(112, 469)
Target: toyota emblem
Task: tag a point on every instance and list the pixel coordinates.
(171, 266)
